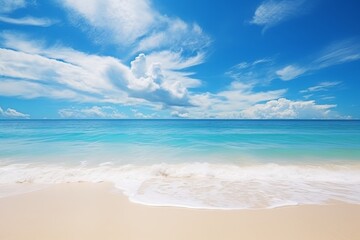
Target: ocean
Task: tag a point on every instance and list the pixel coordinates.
(211, 164)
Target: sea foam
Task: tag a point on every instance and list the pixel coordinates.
(201, 185)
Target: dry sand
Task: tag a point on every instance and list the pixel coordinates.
(88, 211)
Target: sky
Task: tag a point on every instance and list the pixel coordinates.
(231, 59)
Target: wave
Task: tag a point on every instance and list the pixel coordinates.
(203, 185)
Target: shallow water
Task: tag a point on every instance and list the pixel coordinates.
(225, 164)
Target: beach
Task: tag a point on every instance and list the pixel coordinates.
(172, 179)
(179, 120)
(99, 211)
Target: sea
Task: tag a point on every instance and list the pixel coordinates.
(207, 164)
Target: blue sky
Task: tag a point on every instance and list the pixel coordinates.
(250, 59)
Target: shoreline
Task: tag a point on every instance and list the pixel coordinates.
(97, 211)
(202, 185)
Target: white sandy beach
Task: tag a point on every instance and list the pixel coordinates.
(88, 211)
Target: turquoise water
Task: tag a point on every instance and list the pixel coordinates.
(175, 141)
(193, 163)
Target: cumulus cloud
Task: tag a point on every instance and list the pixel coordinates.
(91, 112)
(271, 12)
(276, 108)
(287, 109)
(31, 21)
(148, 79)
(12, 113)
(138, 114)
(154, 84)
(178, 114)
(227, 103)
(8, 6)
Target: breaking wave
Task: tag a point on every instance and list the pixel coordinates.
(201, 185)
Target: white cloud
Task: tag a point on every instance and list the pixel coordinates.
(136, 24)
(138, 114)
(271, 12)
(12, 113)
(30, 69)
(58, 72)
(159, 78)
(335, 54)
(152, 81)
(290, 72)
(28, 90)
(177, 35)
(259, 71)
(323, 86)
(122, 20)
(228, 103)
(266, 69)
(32, 21)
(145, 78)
(178, 114)
(277, 108)
(91, 112)
(287, 109)
(8, 6)
(327, 97)
(242, 95)
(338, 53)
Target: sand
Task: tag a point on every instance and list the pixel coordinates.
(77, 211)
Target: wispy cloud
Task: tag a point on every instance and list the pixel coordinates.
(272, 12)
(139, 26)
(61, 72)
(31, 21)
(91, 112)
(11, 5)
(258, 71)
(323, 86)
(267, 69)
(121, 21)
(12, 113)
(177, 35)
(290, 72)
(320, 91)
(337, 53)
